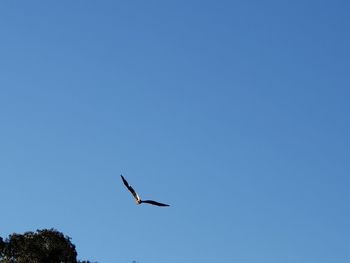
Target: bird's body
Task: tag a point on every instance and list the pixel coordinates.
(136, 196)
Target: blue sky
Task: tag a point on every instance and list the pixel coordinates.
(234, 112)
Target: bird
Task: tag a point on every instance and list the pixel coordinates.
(136, 196)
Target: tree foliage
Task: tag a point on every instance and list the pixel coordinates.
(42, 246)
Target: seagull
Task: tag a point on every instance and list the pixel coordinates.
(136, 196)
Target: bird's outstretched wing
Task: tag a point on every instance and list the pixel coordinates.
(136, 196)
(153, 203)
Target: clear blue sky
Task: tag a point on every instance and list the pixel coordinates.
(234, 112)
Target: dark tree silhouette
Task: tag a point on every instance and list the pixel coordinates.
(2, 245)
(43, 246)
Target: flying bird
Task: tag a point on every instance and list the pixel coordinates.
(137, 198)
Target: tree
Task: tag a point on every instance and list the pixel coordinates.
(2, 245)
(43, 246)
